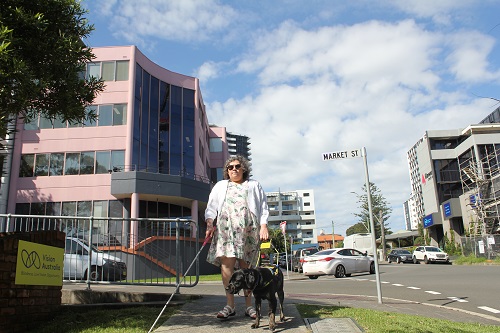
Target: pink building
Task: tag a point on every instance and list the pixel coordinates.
(147, 155)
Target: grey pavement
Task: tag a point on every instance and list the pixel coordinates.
(201, 303)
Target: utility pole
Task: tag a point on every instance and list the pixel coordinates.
(333, 235)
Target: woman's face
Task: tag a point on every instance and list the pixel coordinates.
(235, 171)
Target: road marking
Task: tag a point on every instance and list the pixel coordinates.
(398, 284)
(414, 288)
(384, 282)
(487, 308)
(458, 299)
(433, 292)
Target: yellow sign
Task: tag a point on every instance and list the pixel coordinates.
(265, 245)
(38, 264)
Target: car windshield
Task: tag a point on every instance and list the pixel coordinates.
(433, 249)
(324, 252)
(404, 252)
(308, 252)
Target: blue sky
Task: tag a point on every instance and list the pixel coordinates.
(303, 78)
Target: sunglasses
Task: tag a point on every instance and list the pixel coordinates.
(236, 166)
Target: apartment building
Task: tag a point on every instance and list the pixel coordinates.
(297, 209)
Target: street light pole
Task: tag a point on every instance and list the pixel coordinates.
(333, 235)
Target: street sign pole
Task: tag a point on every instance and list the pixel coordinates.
(372, 226)
(355, 154)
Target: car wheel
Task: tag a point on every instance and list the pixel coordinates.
(415, 261)
(426, 261)
(95, 275)
(398, 260)
(372, 268)
(340, 271)
(313, 277)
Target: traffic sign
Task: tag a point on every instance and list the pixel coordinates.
(342, 154)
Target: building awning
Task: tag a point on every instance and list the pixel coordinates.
(402, 234)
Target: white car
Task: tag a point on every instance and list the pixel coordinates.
(340, 262)
(429, 254)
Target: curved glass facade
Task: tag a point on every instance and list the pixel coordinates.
(163, 133)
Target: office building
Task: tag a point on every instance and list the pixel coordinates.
(146, 155)
(454, 181)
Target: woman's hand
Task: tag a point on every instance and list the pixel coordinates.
(264, 233)
(210, 228)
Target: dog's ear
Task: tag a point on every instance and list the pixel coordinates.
(250, 278)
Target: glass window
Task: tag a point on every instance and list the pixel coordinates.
(100, 208)
(37, 208)
(84, 208)
(102, 159)
(94, 70)
(42, 165)
(115, 208)
(105, 115)
(53, 208)
(122, 70)
(45, 122)
(87, 163)
(92, 109)
(117, 160)
(56, 164)
(27, 165)
(31, 124)
(108, 71)
(215, 145)
(72, 165)
(59, 123)
(68, 208)
(119, 114)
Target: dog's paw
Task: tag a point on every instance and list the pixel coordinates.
(272, 327)
(255, 326)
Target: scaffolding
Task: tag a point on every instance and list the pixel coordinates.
(482, 181)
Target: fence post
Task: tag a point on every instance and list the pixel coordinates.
(89, 265)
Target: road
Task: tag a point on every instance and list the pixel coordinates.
(471, 288)
(475, 289)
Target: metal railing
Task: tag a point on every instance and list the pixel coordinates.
(120, 250)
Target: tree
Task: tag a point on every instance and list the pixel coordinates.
(358, 228)
(380, 208)
(42, 59)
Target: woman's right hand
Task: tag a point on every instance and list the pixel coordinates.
(210, 228)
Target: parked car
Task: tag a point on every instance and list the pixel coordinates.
(299, 255)
(429, 254)
(103, 266)
(340, 262)
(399, 256)
(282, 259)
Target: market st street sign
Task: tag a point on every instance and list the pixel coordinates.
(342, 154)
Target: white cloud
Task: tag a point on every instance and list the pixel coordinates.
(184, 21)
(469, 59)
(439, 11)
(373, 85)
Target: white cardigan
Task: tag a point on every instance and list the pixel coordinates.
(257, 200)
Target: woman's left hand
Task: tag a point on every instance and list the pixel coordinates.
(264, 233)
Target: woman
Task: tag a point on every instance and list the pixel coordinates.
(239, 204)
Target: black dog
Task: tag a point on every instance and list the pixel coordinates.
(265, 283)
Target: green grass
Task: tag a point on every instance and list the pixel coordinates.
(388, 322)
(472, 260)
(104, 320)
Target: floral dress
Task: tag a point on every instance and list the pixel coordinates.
(237, 231)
